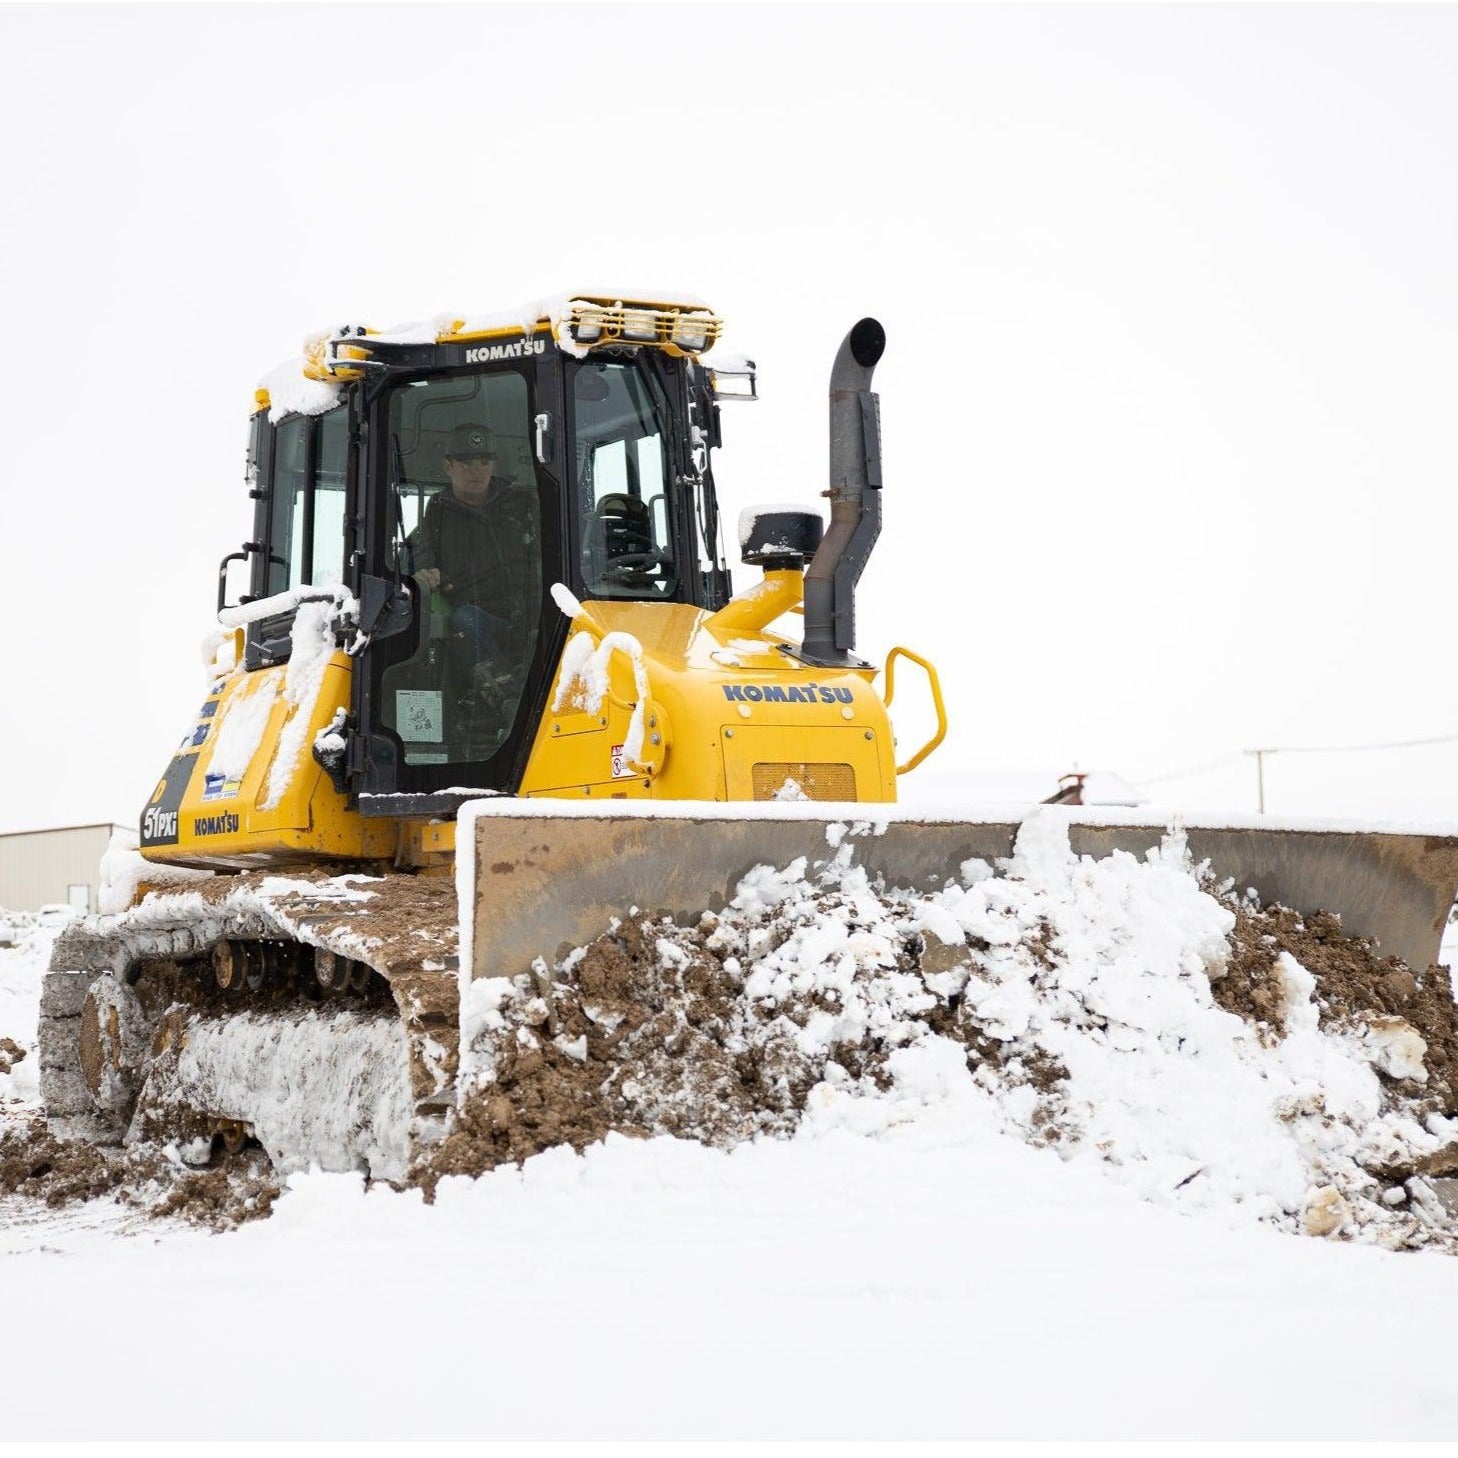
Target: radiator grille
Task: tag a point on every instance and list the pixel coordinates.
(818, 781)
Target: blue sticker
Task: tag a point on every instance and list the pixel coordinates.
(216, 787)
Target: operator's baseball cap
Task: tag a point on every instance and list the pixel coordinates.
(470, 440)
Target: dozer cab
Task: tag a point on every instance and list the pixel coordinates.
(487, 569)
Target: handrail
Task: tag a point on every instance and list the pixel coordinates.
(936, 690)
(652, 720)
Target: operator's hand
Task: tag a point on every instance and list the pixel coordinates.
(428, 578)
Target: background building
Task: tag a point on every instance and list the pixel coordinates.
(44, 867)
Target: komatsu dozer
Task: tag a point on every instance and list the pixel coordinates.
(488, 687)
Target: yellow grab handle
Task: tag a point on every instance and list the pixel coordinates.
(936, 690)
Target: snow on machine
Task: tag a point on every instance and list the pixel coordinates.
(487, 570)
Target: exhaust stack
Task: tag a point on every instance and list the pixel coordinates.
(855, 502)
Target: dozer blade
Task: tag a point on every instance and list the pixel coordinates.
(536, 881)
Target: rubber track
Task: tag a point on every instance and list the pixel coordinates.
(406, 929)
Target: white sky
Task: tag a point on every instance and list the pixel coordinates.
(1170, 298)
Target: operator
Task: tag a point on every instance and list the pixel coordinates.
(477, 543)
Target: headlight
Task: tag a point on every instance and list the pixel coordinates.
(640, 325)
(691, 334)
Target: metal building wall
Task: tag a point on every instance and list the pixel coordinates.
(37, 867)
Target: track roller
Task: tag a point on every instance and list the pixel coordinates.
(331, 971)
(230, 962)
(232, 1134)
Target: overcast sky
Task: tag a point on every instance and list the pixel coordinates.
(1169, 394)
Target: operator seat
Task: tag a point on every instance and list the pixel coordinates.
(622, 527)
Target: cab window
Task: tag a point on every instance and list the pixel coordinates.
(306, 529)
(625, 527)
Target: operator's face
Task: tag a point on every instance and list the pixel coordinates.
(470, 477)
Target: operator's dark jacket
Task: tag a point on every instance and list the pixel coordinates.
(488, 555)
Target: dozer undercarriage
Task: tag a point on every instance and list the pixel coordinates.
(313, 1013)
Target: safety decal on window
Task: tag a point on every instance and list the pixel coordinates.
(418, 718)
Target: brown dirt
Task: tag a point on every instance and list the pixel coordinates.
(1251, 987)
(656, 1060)
(402, 907)
(1354, 983)
(11, 1053)
(673, 1046)
(35, 1165)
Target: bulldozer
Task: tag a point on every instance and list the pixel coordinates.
(489, 687)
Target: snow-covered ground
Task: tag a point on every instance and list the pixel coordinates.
(935, 1282)
(906, 1264)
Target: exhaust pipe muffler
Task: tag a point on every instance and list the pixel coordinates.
(855, 501)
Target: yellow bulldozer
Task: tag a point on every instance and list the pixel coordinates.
(489, 687)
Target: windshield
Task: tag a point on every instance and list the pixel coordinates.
(625, 518)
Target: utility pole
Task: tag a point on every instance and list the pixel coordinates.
(1260, 755)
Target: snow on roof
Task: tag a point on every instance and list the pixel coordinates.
(291, 392)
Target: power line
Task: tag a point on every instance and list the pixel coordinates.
(1226, 760)
(1185, 774)
(1353, 748)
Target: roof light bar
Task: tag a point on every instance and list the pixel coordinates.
(678, 331)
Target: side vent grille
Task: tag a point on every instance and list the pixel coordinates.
(815, 781)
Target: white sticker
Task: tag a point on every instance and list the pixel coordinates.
(620, 765)
(418, 715)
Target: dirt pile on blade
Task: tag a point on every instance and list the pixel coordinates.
(725, 1030)
(1357, 989)
(34, 1165)
(1215, 1056)
(646, 1038)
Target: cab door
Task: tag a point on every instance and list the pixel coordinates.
(450, 707)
